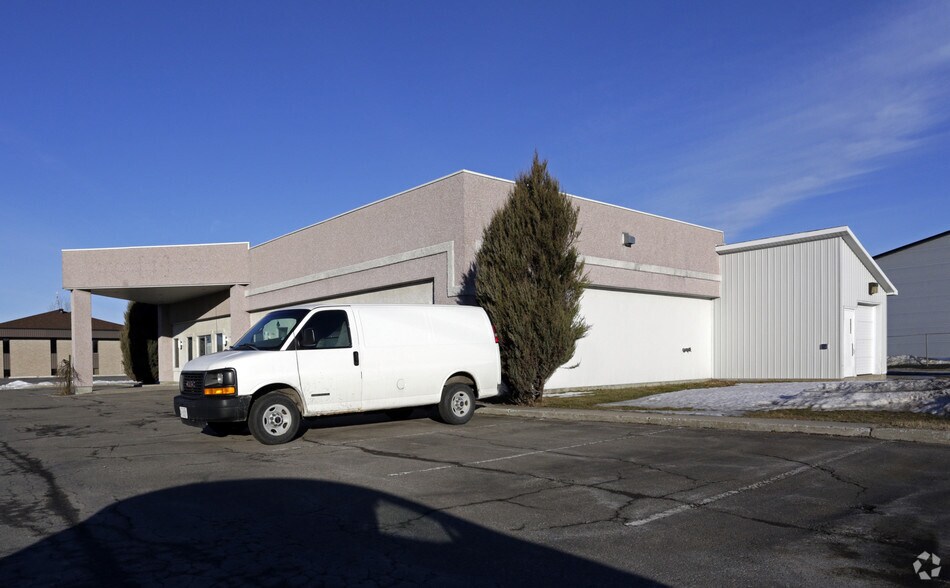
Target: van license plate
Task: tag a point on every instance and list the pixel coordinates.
(184, 412)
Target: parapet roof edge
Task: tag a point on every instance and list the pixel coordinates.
(247, 243)
(844, 232)
(486, 176)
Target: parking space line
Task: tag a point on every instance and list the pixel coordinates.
(527, 453)
(754, 486)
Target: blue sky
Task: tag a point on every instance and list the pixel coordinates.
(153, 123)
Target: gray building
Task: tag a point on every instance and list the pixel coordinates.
(650, 304)
(919, 319)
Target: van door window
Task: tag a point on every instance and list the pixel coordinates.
(328, 329)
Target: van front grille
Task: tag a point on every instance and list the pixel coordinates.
(192, 383)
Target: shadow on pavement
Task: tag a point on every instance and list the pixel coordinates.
(284, 532)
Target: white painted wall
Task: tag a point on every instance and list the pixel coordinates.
(637, 337)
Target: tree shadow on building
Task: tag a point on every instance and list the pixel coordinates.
(287, 532)
(467, 292)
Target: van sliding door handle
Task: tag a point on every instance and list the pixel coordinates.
(356, 358)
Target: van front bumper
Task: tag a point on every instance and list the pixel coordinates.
(198, 410)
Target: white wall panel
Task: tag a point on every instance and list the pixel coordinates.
(637, 337)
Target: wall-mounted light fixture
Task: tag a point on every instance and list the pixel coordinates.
(872, 288)
(628, 239)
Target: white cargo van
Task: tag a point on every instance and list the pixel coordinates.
(313, 360)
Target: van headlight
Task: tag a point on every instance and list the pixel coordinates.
(220, 382)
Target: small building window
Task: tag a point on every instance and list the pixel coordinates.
(175, 353)
(204, 345)
(219, 342)
(6, 346)
(95, 345)
(52, 345)
(191, 349)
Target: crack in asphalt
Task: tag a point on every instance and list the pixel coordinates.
(822, 468)
(57, 502)
(104, 567)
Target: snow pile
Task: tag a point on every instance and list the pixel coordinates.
(928, 395)
(20, 384)
(911, 361)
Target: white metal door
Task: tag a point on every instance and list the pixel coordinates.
(847, 344)
(865, 342)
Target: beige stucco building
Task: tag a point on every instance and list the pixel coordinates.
(34, 346)
(654, 280)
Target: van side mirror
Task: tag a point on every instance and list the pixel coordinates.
(308, 338)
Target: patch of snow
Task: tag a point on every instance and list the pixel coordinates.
(927, 396)
(571, 394)
(913, 361)
(20, 385)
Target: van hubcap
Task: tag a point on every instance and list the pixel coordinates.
(461, 404)
(277, 419)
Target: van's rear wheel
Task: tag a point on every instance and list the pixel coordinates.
(458, 404)
(274, 419)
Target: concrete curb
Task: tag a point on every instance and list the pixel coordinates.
(723, 423)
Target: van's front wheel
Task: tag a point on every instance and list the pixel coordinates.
(457, 405)
(274, 419)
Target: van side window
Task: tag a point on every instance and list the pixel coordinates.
(328, 329)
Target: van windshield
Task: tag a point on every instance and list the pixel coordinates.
(271, 331)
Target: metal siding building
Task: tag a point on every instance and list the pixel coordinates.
(919, 319)
(790, 306)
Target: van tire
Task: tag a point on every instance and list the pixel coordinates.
(274, 419)
(457, 405)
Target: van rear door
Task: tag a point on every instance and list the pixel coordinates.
(327, 351)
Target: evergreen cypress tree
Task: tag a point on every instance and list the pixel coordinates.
(529, 279)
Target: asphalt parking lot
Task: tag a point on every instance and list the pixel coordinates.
(110, 488)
